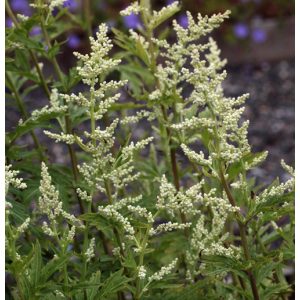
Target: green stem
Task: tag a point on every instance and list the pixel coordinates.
(53, 59)
(12, 251)
(172, 154)
(32, 54)
(243, 235)
(10, 13)
(141, 262)
(87, 16)
(25, 115)
(172, 150)
(92, 114)
(68, 124)
(116, 233)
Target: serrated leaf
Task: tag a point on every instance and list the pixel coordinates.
(116, 282)
(30, 124)
(36, 265)
(98, 220)
(56, 264)
(94, 286)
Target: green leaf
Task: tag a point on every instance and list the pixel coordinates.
(101, 222)
(18, 211)
(56, 264)
(22, 60)
(130, 261)
(29, 124)
(36, 266)
(20, 35)
(124, 106)
(135, 47)
(270, 204)
(236, 168)
(116, 282)
(92, 291)
(25, 288)
(191, 292)
(277, 289)
(217, 264)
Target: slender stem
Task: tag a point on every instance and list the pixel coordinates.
(10, 13)
(87, 16)
(243, 236)
(141, 262)
(53, 59)
(25, 115)
(116, 233)
(32, 54)
(41, 76)
(68, 125)
(172, 150)
(12, 251)
(172, 153)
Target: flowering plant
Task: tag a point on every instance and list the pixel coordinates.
(170, 212)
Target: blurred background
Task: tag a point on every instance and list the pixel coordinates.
(258, 42)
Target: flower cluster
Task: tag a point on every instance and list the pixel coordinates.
(55, 107)
(176, 55)
(50, 205)
(97, 63)
(173, 201)
(11, 179)
(169, 227)
(90, 252)
(132, 8)
(55, 3)
(164, 271)
(159, 16)
(142, 272)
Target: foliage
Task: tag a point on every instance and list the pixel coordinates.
(171, 213)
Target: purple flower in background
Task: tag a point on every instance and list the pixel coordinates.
(241, 30)
(36, 30)
(132, 21)
(8, 22)
(169, 2)
(21, 6)
(183, 21)
(259, 35)
(72, 5)
(74, 41)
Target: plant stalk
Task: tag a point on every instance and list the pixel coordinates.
(172, 151)
(243, 235)
(31, 53)
(25, 115)
(87, 15)
(68, 125)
